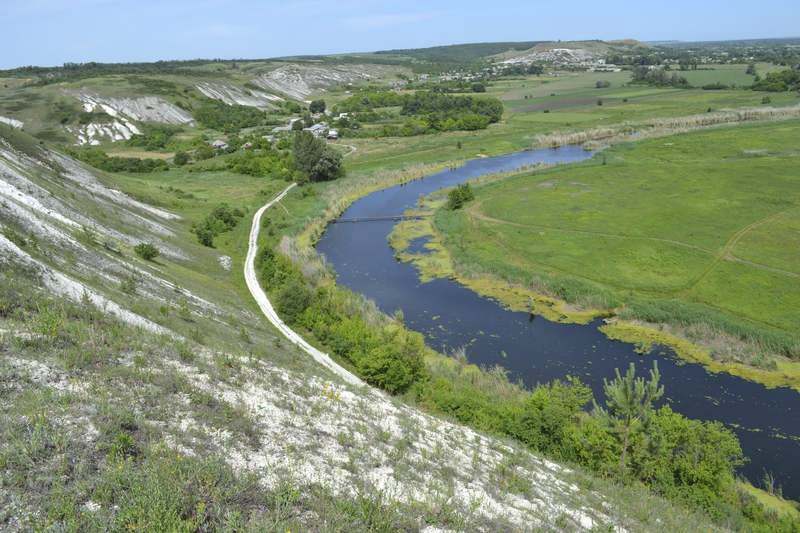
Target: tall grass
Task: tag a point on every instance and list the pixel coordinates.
(660, 127)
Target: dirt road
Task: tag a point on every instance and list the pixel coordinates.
(266, 306)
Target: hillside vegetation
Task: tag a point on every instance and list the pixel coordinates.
(146, 393)
(143, 389)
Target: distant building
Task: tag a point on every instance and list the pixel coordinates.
(318, 130)
(333, 134)
(219, 144)
(247, 146)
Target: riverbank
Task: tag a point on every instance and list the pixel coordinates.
(458, 244)
(435, 261)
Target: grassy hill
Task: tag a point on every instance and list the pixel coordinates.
(160, 386)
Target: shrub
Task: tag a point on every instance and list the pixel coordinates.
(292, 299)
(222, 219)
(459, 196)
(602, 84)
(180, 159)
(99, 159)
(266, 162)
(146, 251)
(317, 106)
(203, 152)
(384, 355)
(229, 118)
(785, 80)
(154, 137)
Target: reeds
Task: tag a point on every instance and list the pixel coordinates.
(659, 127)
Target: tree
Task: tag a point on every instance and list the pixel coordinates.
(478, 87)
(317, 106)
(315, 159)
(459, 196)
(146, 251)
(307, 150)
(298, 125)
(328, 166)
(751, 69)
(602, 84)
(292, 299)
(629, 405)
(180, 159)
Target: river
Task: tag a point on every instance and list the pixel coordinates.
(536, 350)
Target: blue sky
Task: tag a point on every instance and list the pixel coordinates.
(51, 32)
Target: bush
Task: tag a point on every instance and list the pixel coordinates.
(459, 196)
(266, 162)
(602, 84)
(387, 356)
(221, 219)
(146, 251)
(228, 118)
(99, 159)
(203, 152)
(659, 78)
(180, 159)
(154, 137)
(776, 82)
(292, 299)
(317, 106)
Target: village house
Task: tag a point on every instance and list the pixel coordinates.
(219, 144)
(318, 130)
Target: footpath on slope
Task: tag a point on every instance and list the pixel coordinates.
(266, 306)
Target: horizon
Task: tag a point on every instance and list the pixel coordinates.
(46, 33)
(355, 52)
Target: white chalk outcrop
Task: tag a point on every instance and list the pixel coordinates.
(233, 95)
(124, 113)
(14, 123)
(300, 81)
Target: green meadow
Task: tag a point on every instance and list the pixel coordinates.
(698, 230)
(566, 103)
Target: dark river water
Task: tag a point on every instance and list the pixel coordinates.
(450, 316)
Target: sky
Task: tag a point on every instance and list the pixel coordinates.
(52, 32)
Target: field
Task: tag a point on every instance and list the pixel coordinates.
(573, 108)
(705, 224)
(725, 74)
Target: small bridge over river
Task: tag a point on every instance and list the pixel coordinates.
(396, 218)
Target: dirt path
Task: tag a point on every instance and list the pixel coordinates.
(726, 253)
(266, 306)
(353, 149)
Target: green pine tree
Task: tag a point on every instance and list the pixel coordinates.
(629, 405)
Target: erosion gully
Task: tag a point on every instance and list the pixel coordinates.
(536, 350)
